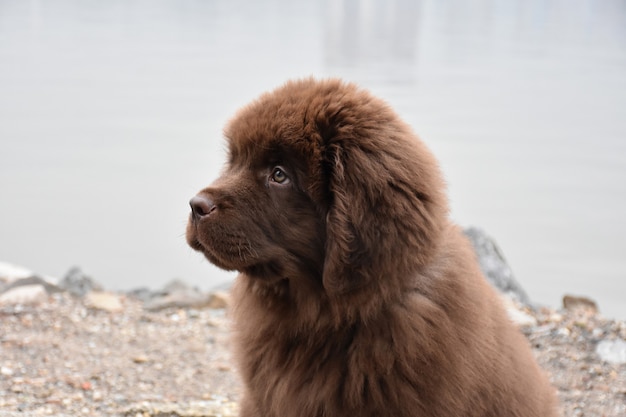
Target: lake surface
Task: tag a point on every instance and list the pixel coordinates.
(111, 116)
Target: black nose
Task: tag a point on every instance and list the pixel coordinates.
(201, 206)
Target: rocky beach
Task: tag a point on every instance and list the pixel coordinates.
(72, 348)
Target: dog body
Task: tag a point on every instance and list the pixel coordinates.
(356, 294)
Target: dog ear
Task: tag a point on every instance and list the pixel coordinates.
(352, 227)
(343, 265)
(385, 212)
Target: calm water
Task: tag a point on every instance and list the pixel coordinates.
(111, 115)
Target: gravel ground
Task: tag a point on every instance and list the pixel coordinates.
(63, 358)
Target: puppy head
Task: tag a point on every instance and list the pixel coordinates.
(257, 217)
(323, 182)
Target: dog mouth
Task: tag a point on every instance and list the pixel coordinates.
(269, 272)
(217, 258)
(233, 254)
(230, 251)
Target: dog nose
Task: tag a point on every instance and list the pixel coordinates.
(201, 206)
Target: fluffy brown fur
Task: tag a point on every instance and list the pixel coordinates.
(357, 297)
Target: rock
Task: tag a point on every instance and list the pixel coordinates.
(177, 300)
(521, 318)
(517, 315)
(218, 300)
(24, 294)
(139, 359)
(177, 294)
(76, 282)
(177, 285)
(494, 266)
(104, 301)
(10, 272)
(32, 280)
(13, 276)
(612, 351)
(142, 294)
(572, 302)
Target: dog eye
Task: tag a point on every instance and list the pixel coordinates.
(279, 176)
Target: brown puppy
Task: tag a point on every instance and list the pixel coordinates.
(357, 297)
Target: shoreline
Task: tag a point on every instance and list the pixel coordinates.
(74, 348)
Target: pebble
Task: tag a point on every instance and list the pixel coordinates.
(106, 301)
(563, 331)
(140, 359)
(612, 351)
(516, 314)
(78, 283)
(10, 272)
(572, 302)
(24, 295)
(177, 299)
(218, 300)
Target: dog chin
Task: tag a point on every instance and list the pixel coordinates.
(215, 258)
(269, 272)
(223, 263)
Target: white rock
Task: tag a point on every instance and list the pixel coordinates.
(178, 299)
(516, 315)
(563, 331)
(219, 299)
(25, 294)
(520, 318)
(612, 351)
(10, 272)
(104, 301)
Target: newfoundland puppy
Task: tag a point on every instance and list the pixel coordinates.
(357, 297)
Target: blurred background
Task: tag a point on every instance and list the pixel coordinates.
(111, 115)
